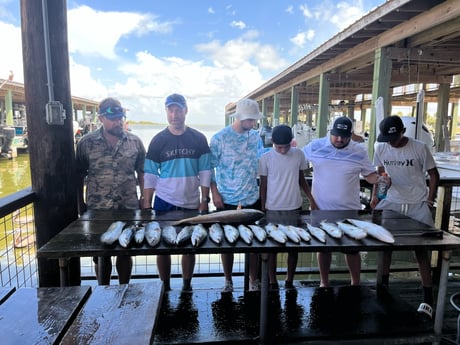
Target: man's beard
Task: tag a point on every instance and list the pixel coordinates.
(116, 131)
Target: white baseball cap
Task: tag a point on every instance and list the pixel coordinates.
(248, 109)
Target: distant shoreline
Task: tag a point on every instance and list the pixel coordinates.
(147, 123)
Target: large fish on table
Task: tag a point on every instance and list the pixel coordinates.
(303, 234)
(317, 232)
(216, 233)
(184, 235)
(126, 236)
(199, 235)
(374, 230)
(242, 216)
(113, 232)
(169, 235)
(352, 231)
(259, 232)
(152, 233)
(139, 234)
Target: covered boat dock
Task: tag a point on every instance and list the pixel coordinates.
(399, 51)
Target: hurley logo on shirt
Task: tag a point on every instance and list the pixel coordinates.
(407, 162)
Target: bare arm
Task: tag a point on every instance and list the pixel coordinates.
(374, 199)
(148, 197)
(306, 188)
(80, 197)
(204, 204)
(140, 181)
(263, 191)
(216, 197)
(433, 185)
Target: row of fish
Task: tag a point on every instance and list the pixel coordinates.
(197, 234)
(354, 228)
(153, 233)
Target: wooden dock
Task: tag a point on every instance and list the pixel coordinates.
(302, 315)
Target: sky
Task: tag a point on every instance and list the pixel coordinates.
(212, 52)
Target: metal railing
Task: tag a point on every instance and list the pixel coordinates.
(18, 264)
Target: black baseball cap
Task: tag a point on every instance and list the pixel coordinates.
(390, 128)
(342, 127)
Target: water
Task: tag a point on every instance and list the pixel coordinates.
(14, 174)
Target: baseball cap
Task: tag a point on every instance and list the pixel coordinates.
(282, 135)
(342, 127)
(390, 128)
(111, 108)
(176, 99)
(247, 109)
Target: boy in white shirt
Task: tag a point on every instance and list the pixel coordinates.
(281, 172)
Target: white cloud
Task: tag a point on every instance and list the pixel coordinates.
(238, 24)
(346, 14)
(83, 83)
(211, 10)
(100, 37)
(227, 71)
(239, 51)
(207, 88)
(306, 11)
(11, 55)
(289, 9)
(301, 38)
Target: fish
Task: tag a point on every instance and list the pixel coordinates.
(152, 233)
(317, 233)
(331, 229)
(113, 232)
(374, 230)
(199, 234)
(352, 231)
(184, 235)
(303, 234)
(231, 233)
(245, 234)
(241, 216)
(276, 234)
(169, 235)
(216, 233)
(259, 232)
(290, 233)
(126, 236)
(139, 234)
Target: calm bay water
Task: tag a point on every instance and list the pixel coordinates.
(15, 173)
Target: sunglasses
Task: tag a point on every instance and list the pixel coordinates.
(110, 111)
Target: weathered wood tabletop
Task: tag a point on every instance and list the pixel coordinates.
(82, 237)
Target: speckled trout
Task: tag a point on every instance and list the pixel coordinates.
(113, 232)
(152, 233)
(374, 230)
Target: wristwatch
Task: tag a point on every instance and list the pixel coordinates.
(206, 200)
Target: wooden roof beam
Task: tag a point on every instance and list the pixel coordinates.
(417, 55)
(441, 32)
(444, 12)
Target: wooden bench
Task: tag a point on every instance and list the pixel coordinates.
(119, 314)
(6, 292)
(40, 316)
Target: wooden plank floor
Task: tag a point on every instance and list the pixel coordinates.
(207, 316)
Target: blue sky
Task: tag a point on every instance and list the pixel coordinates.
(212, 52)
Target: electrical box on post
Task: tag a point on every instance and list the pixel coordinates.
(55, 113)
